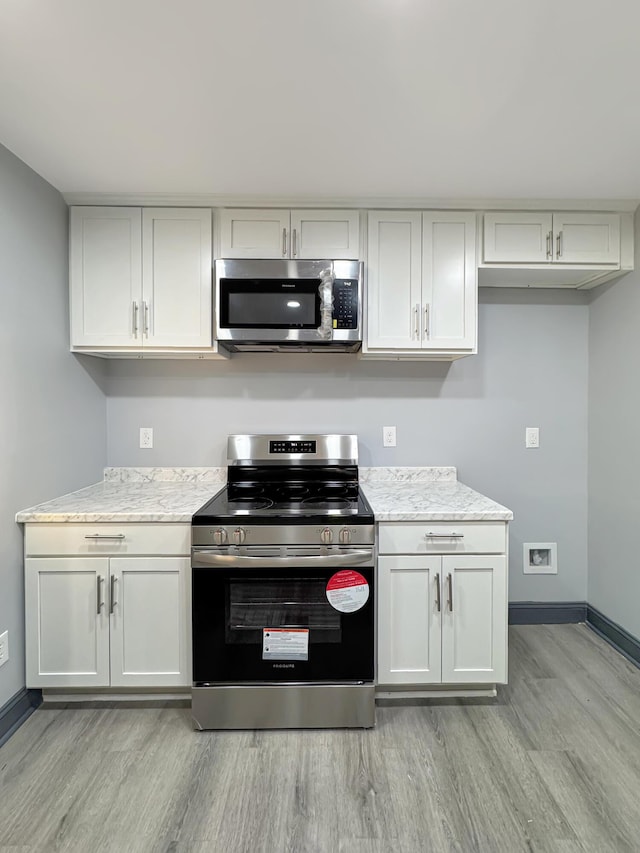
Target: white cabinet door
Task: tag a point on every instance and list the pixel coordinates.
(254, 233)
(149, 625)
(394, 280)
(67, 624)
(474, 623)
(518, 238)
(408, 620)
(333, 234)
(105, 271)
(176, 284)
(586, 238)
(449, 281)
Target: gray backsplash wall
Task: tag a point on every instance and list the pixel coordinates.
(52, 426)
(531, 371)
(614, 452)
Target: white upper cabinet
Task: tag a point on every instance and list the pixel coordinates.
(140, 279)
(176, 277)
(421, 285)
(586, 238)
(300, 234)
(559, 238)
(449, 275)
(394, 280)
(105, 270)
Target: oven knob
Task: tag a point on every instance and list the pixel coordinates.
(239, 535)
(220, 536)
(326, 535)
(345, 536)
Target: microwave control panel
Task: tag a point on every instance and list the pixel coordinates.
(345, 303)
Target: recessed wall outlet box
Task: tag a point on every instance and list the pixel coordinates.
(389, 436)
(532, 437)
(4, 648)
(540, 558)
(146, 437)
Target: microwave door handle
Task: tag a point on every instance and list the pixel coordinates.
(348, 558)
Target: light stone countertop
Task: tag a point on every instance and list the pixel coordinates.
(134, 495)
(174, 494)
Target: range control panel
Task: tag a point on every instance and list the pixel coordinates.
(345, 303)
(292, 447)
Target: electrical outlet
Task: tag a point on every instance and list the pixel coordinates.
(4, 648)
(389, 436)
(532, 437)
(146, 437)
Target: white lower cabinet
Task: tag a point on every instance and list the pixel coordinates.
(107, 621)
(442, 618)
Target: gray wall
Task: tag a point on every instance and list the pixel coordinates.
(614, 450)
(52, 426)
(531, 371)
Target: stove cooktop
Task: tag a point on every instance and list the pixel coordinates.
(306, 506)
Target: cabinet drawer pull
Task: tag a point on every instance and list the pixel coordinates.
(99, 602)
(145, 306)
(284, 242)
(450, 595)
(416, 315)
(443, 535)
(112, 593)
(426, 321)
(135, 319)
(438, 608)
(104, 536)
(294, 250)
(550, 245)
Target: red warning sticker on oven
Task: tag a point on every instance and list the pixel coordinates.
(347, 591)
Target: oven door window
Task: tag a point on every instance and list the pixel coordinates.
(232, 610)
(269, 304)
(295, 603)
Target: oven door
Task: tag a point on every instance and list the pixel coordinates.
(283, 623)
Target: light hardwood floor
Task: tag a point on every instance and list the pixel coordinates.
(552, 765)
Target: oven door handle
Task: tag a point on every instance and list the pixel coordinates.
(350, 558)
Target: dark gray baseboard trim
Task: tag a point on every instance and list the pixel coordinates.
(546, 612)
(621, 640)
(14, 713)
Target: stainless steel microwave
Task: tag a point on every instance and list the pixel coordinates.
(282, 306)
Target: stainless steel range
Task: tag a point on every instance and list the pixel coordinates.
(283, 588)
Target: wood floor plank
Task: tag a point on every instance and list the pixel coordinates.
(551, 766)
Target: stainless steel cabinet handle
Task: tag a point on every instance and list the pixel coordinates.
(550, 245)
(559, 244)
(426, 320)
(236, 560)
(450, 594)
(112, 594)
(438, 592)
(284, 242)
(99, 602)
(104, 536)
(294, 251)
(444, 535)
(145, 306)
(416, 314)
(135, 319)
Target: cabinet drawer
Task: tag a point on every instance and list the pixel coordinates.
(455, 537)
(105, 539)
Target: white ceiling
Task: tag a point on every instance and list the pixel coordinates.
(325, 98)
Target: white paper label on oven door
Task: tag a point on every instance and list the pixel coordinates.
(285, 644)
(347, 591)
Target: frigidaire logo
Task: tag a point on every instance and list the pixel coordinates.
(284, 665)
(286, 285)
